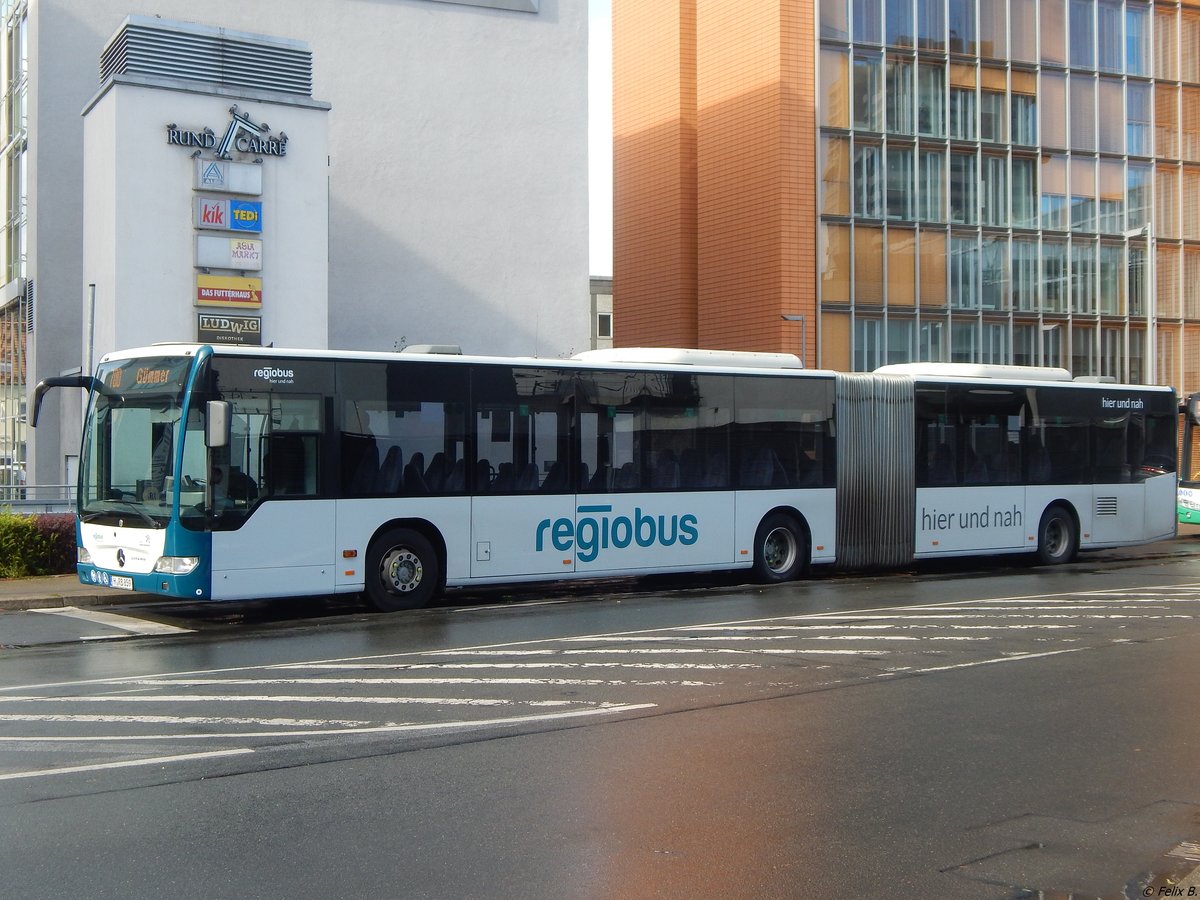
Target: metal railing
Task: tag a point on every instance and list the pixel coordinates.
(30, 499)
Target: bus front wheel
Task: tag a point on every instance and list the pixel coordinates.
(780, 549)
(1058, 537)
(402, 570)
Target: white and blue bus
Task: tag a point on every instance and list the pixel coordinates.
(215, 472)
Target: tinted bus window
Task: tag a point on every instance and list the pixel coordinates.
(610, 421)
(403, 428)
(521, 420)
(782, 432)
(687, 424)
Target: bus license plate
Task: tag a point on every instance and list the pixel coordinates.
(121, 581)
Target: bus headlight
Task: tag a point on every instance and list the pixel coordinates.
(176, 565)
(82, 556)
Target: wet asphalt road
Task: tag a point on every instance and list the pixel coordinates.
(953, 732)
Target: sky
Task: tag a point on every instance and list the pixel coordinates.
(600, 136)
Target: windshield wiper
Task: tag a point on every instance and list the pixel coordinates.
(91, 517)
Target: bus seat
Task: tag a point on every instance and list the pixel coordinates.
(716, 470)
(483, 476)
(414, 475)
(598, 483)
(627, 478)
(505, 478)
(556, 478)
(691, 468)
(392, 471)
(456, 481)
(528, 479)
(435, 474)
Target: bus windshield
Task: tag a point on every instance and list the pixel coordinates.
(127, 468)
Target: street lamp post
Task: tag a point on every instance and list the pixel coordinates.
(1151, 302)
(803, 335)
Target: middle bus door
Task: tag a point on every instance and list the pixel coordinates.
(520, 535)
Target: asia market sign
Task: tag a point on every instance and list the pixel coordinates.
(241, 134)
(229, 290)
(213, 252)
(225, 214)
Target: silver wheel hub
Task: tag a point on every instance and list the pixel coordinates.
(401, 570)
(779, 550)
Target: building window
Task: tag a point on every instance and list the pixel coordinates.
(1083, 351)
(993, 117)
(995, 344)
(1108, 35)
(1137, 39)
(1083, 35)
(931, 100)
(868, 345)
(1024, 192)
(1112, 196)
(964, 342)
(868, 21)
(899, 341)
(964, 183)
(900, 23)
(931, 344)
(1053, 32)
(604, 325)
(1054, 193)
(1136, 279)
(1138, 184)
(1083, 277)
(962, 26)
(1054, 109)
(1025, 345)
(1139, 133)
(868, 93)
(900, 183)
(1112, 362)
(1054, 276)
(931, 202)
(931, 24)
(1111, 119)
(995, 190)
(993, 29)
(900, 96)
(995, 273)
(834, 21)
(964, 273)
(868, 181)
(1112, 282)
(1025, 275)
(1024, 30)
(1024, 108)
(1083, 194)
(1083, 112)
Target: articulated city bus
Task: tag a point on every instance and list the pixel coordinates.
(233, 473)
(1188, 504)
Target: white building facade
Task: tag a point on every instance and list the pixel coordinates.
(432, 184)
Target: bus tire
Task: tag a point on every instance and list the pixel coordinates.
(780, 549)
(403, 570)
(1058, 536)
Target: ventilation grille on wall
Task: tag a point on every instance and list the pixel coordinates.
(1106, 506)
(29, 306)
(158, 48)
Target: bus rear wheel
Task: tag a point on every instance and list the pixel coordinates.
(1058, 537)
(780, 549)
(403, 570)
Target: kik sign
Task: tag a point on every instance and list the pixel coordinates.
(227, 214)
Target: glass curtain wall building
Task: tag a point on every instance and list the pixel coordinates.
(1027, 171)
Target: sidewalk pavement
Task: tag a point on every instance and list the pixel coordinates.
(50, 591)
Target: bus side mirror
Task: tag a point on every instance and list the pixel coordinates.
(216, 430)
(1193, 409)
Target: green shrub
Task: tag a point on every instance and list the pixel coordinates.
(36, 545)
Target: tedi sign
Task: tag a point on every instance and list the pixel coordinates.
(242, 134)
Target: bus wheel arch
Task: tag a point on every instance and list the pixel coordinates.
(405, 565)
(1058, 534)
(782, 546)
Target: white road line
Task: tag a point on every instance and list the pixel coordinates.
(296, 698)
(125, 764)
(543, 682)
(1002, 659)
(602, 710)
(414, 667)
(179, 720)
(125, 623)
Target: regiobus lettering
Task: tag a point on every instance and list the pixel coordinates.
(591, 535)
